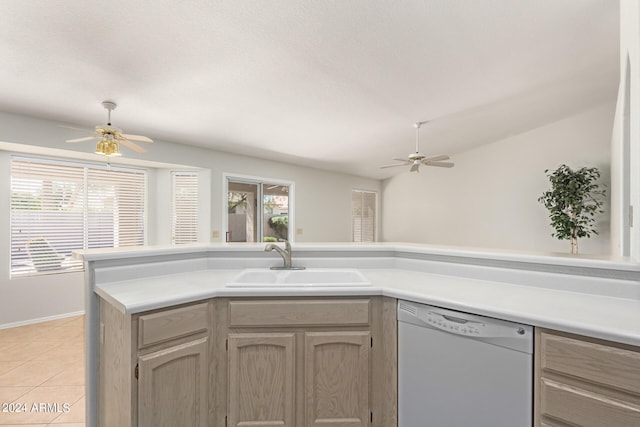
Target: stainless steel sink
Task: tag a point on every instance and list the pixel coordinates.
(318, 277)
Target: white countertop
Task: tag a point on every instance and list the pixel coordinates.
(605, 317)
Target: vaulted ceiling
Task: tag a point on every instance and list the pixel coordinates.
(329, 84)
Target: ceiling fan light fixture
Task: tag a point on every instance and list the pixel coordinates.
(114, 149)
(101, 147)
(111, 137)
(108, 147)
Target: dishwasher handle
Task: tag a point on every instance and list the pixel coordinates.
(456, 319)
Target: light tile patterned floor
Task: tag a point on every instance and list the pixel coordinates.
(42, 372)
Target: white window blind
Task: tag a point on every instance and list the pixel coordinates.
(184, 228)
(59, 207)
(363, 216)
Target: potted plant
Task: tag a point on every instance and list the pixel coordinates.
(573, 202)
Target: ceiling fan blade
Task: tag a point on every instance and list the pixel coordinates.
(86, 138)
(130, 145)
(440, 164)
(415, 167)
(400, 159)
(72, 128)
(393, 166)
(137, 137)
(436, 158)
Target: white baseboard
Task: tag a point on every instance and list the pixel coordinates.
(41, 319)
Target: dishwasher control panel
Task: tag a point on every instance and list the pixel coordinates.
(454, 324)
(487, 329)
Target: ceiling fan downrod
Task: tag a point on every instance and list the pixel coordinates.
(417, 126)
(109, 106)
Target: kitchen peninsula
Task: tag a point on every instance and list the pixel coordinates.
(595, 299)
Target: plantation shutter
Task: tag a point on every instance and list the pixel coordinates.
(363, 216)
(185, 208)
(59, 207)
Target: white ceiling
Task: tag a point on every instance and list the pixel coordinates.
(330, 84)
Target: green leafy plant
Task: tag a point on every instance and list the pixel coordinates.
(573, 202)
(280, 225)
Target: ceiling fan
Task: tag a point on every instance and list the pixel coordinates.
(111, 137)
(416, 159)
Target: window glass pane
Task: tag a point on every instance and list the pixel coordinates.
(116, 208)
(275, 203)
(57, 208)
(47, 214)
(242, 214)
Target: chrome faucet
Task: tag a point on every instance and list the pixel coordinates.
(284, 253)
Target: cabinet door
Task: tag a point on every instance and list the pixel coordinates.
(337, 379)
(261, 379)
(172, 386)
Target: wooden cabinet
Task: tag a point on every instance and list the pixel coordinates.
(289, 362)
(585, 382)
(310, 362)
(154, 367)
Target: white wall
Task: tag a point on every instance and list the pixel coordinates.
(625, 144)
(323, 207)
(489, 199)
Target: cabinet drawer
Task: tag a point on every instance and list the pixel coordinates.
(166, 325)
(585, 408)
(596, 363)
(299, 313)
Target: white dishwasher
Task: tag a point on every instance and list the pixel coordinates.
(462, 370)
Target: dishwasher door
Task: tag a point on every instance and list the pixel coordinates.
(462, 370)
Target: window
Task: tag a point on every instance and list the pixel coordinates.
(363, 216)
(58, 207)
(184, 217)
(258, 209)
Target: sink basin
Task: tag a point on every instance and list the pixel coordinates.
(261, 277)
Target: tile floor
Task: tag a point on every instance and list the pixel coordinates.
(42, 374)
